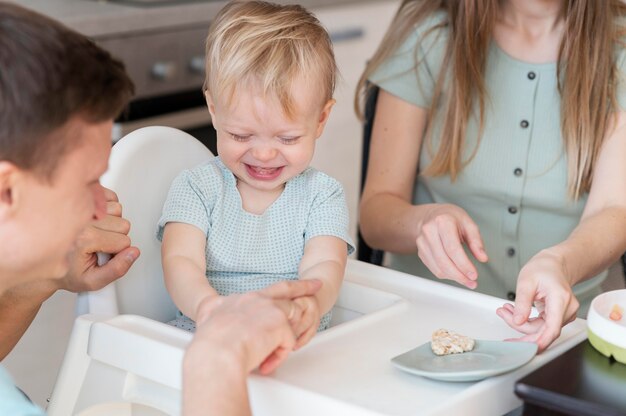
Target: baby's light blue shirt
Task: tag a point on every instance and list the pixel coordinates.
(247, 252)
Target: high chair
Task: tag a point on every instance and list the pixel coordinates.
(122, 359)
(130, 365)
(142, 167)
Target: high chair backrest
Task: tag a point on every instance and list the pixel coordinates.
(142, 166)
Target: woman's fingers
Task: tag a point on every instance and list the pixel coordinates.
(531, 326)
(425, 254)
(544, 329)
(524, 297)
(453, 246)
(471, 236)
(443, 253)
(558, 311)
(440, 245)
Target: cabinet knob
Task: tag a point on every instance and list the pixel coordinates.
(196, 65)
(163, 71)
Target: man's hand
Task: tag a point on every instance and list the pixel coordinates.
(108, 235)
(306, 323)
(234, 335)
(257, 323)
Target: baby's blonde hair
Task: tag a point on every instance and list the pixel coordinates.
(255, 43)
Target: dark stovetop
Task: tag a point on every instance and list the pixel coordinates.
(580, 382)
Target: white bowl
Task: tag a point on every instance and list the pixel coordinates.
(606, 335)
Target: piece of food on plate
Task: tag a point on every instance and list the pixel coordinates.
(616, 313)
(446, 342)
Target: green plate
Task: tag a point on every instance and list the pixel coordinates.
(488, 358)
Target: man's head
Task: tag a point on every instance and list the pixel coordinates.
(59, 93)
(49, 74)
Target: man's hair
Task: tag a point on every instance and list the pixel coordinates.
(268, 45)
(48, 75)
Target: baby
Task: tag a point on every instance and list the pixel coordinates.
(258, 214)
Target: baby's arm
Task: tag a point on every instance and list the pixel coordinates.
(325, 259)
(184, 267)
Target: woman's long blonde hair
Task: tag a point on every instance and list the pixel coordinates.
(586, 71)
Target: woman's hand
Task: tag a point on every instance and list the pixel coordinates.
(440, 238)
(544, 282)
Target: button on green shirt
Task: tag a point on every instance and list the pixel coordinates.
(515, 187)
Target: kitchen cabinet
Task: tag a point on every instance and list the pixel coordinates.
(356, 31)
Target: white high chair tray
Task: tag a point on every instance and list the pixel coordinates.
(347, 369)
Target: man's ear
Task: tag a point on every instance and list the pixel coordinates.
(324, 116)
(8, 178)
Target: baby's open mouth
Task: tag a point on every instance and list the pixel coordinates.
(260, 172)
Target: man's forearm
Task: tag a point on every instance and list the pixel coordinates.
(214, 383)
(18, 308)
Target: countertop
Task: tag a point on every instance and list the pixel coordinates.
(102, 19)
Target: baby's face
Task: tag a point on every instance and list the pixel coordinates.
(262, 146)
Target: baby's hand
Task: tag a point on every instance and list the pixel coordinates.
(306, 320)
